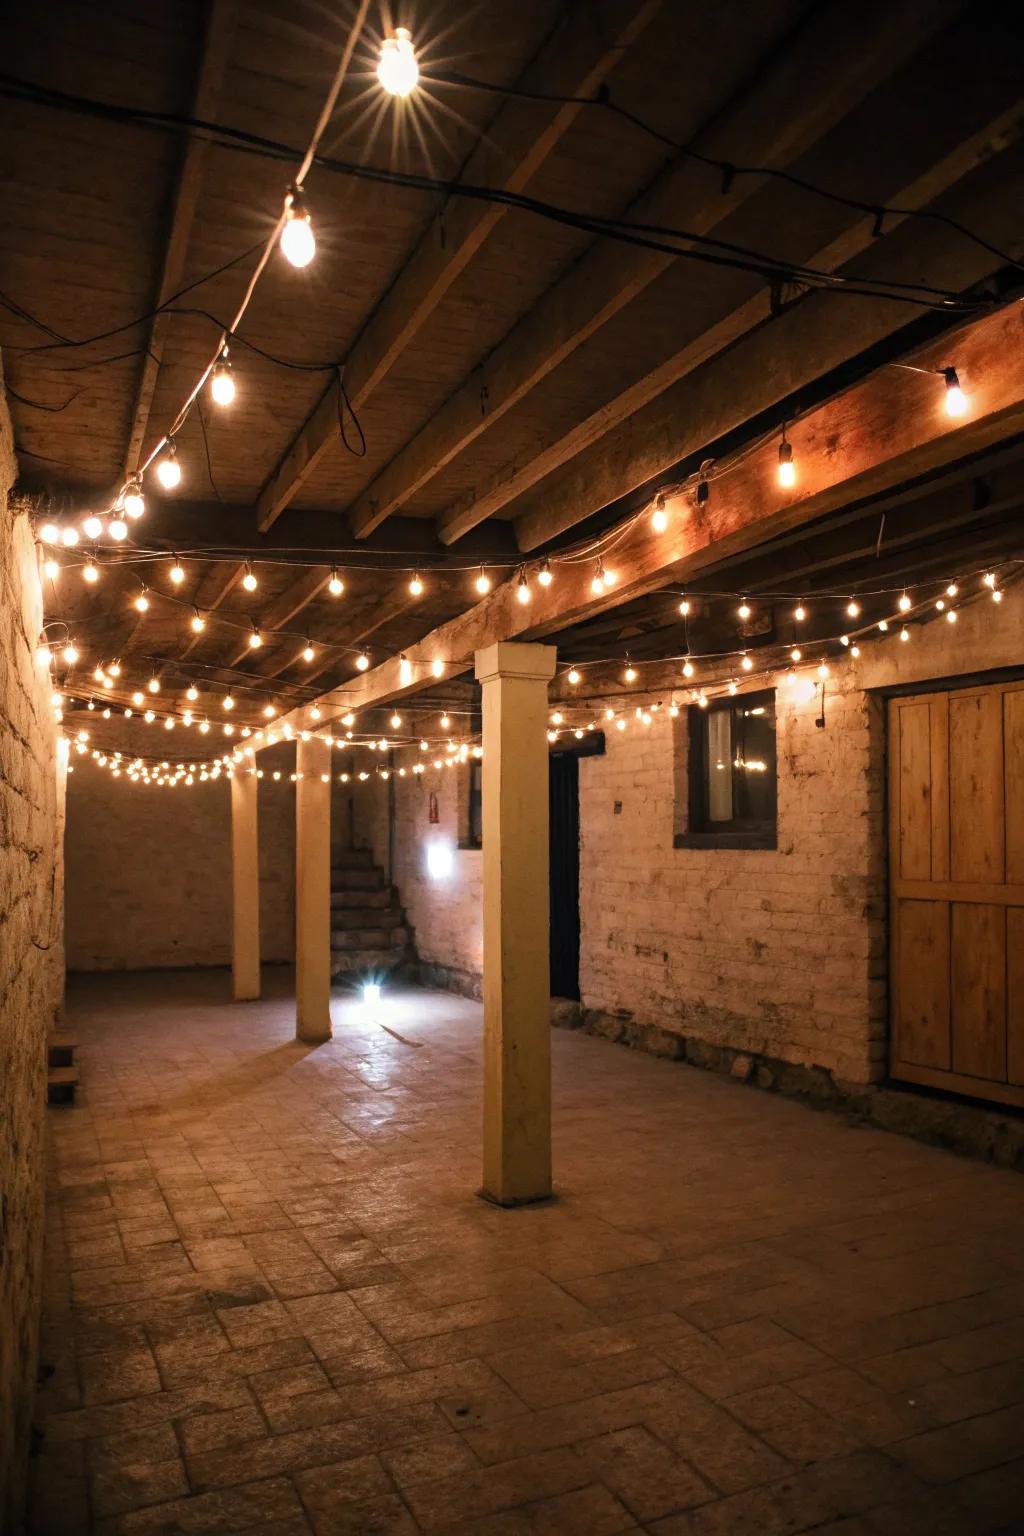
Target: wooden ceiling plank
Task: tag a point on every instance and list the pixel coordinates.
(508, 153)
(512, 481)
(863, 442)
(772, 123)
(221, 26)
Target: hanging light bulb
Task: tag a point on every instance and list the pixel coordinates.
(249, 581)
(483, 582)
(362, 661)
(688, 668)
(883, 625)
(92, 527)
(142, 602)
(659, 517)
(404, 670)
(114, 669)
(905, 604)
(744, 610)
(398, 70)
(229, 702)
(168, 469)
(49, 533)
(153, 685)
(269, 712)
(629, 675)
(853, 608)
(951, 616)
(787, 469)
(904, 633)
(298, 243)
(445, 722)
(69, 537)
(437, 667)
(796, 654)
(255, 639)
(544, 575)
(956, 400)
(133, 502)
(746, 663)
(572, 677)
(396, 721)
(685, 607)
(222, 383)
(597, 584)
(308, 652)
(198, 622)
(823, 670)
(90, 572)
(51, 569)
(799, 613)
(989, 579)
(416, 585)
(192, 693)
(70, 653)
(118, 529)
(177, 572)
(952, 589)
(523, 593)
(138, 698)
(335, 586)
(997, 596)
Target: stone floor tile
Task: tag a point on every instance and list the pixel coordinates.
(252, 1508)
(429, 1460)
(354, 1498)
(591, 1511)
(649, 1480)
(133, 1485)
(490, 1489)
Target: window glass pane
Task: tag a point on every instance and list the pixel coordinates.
(754, 760)
(720, 765)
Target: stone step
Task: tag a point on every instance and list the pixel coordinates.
(386, 896)
(367, 917)
(351, 858)
(356, 879)
(371, 963)
(368, 938)
(60, 1085)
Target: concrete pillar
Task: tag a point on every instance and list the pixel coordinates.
(517, 1025)
(245, 889)
(313, 891)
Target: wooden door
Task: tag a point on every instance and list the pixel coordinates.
(956, 882)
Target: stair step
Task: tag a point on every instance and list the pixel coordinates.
(356, 879)
(368, 938)
(60, 1048)
(367, 917)
(372, 963)
(60, 1085)
(385, 896)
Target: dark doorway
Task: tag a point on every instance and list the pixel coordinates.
(564, 807)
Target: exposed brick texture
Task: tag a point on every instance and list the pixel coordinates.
(31, 966)
(137, 897)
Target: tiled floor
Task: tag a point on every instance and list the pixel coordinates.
(275, 1303)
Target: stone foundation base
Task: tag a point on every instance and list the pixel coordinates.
(994, 1135)
(445, 978)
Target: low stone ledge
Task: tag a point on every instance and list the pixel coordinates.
(973, 1130)
(447, 978)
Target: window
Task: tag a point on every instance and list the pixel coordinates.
(731, 774)
(476, 804)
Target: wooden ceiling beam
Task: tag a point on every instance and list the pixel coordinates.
(533, 527)
(575, 61)
(221, 26)
(296, 596)
(884, 430)
(773, 122)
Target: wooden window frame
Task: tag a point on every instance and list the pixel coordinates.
(739, 834)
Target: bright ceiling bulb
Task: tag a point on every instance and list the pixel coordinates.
(192, 693)
(523, 593)
(69, 537)
(118, 529)
(168, 470)
(298, 243)
(198, 623)
(362, 661)
(659, 517)
(956, 400)
(153, 685)
(853, 608)
(308, 653)
(92, 527)
(70, 654)
(404, 670)
(133, 501)
(396, 721)
(483, 582)
(688, 668)
(800, 613)
(630, 675)
(49, 533)
(787, 469)
(335, 586)
(177, 573)
(229, 702)
(142, 602)
(416, 585)
(989, 579)
(437, 667)
(255, 640)
(90, 572)
(249, 581)
(51, 570)
(573, 676)
(904, 603)
(398, 70)
(747, 664)
(544, 575)
(222, 383)
(684, 607)
(744, 609)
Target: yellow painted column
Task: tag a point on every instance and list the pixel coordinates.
(245, 889)
(517, 1024)
(313, 891)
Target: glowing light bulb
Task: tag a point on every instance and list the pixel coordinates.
(308, 652)
(255, 640)
(70, 654)
(404, 670)
(997, 596)
(133, 502)
(416, 585)
(69, 537)
(800, 613)
(298, 243)
(904, 633)
(688, 669)
(222, 383)
(396, 721)
(118, 529)
(51, 570)
(744, 610)
(956, 400)
(445, 723)
(198, 622)
(685, 607)
(630, 674)
(796, 653)
(138, 698)
(544, 575)
(249, 581)
(437, 667)
(951, 616)
(90, 573)
(483, 582)
(989, 579)
(787, 469)
(92, 527)
(192, 694)
(853, 608)
(398, 70)
(659, 517)
(523, 593)
(49, 533)
(905, 603)
(142, 602)
(228, 701)
(269, 711)
(204, 727)
(153, 685)
(362, 661)
(44, 656)
(746, 663)
(177, 573)
(335, 586)
(572, 676)
(883, 625)
(823, 670)
(168, 470)
(952, 589)
(149, 717)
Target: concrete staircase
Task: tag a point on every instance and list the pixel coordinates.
(369, 936)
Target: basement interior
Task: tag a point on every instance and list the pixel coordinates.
(512, 768)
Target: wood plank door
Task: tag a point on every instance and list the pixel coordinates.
(956, 887)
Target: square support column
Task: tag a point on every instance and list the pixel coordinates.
(245, 889)
(517, 1012)
(313, 891)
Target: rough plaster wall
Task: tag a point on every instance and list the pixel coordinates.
(149, 870)
(31, 967)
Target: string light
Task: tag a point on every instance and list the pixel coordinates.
(416, 585)
(249, 581)
(437, 667)
(523, 593)
(228, 701)
(573, 677)
(168, 469)
(396, 721)
(69, 537)
(483, 582)
(70, 653)
(133, 502)
(956, 400)
(298, 243)
(49, 533)
(404, 670)
(997, 596)
(192, 693)
(177, 572)
(746, 663)
(222, 383)
(90, 573)
(544, 575)
(335, 586)
(630, 673)
(853, 608)
(153, 685)
(51, 569)
(800, 613)
(951, 616)
(118, 529)
(685, 607)
(796, 653)
(308, 653)
(142, 602)
(659, 517)
(787, 469)
(445, 722)
(952, 589)
(197, 621)
(92, 527)
(904, 633)
(255, 639)
(398, 70)
(362, 661)
(905, 603)
(744, 610)
(989, 579)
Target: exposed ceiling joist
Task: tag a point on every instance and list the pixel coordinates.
(880, 432)
(508, 153)
(296, 596)
(221, 25)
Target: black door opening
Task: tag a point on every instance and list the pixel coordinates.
(564, 809)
